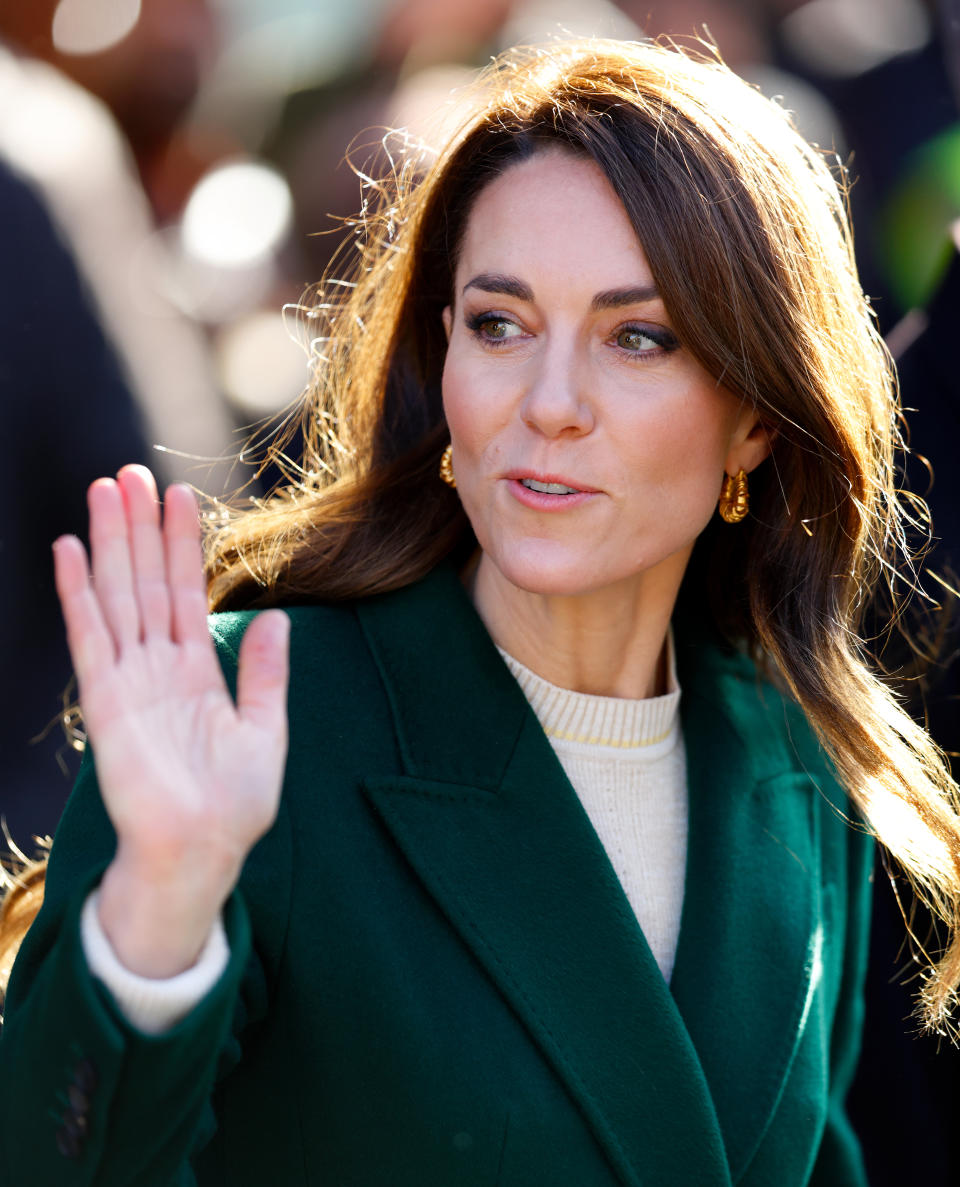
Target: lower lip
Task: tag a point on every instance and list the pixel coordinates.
(540, 501)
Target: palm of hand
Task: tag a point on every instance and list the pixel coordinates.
(190, 779)
(175, 757)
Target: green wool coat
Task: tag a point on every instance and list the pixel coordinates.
(436, 979)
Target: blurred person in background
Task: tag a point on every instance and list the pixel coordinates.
(66, 415)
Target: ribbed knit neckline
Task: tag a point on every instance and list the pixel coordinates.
(648, 727)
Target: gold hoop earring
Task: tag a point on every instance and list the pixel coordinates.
(734, 499)
(446, 467)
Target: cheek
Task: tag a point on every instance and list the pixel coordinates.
(473, 408)
(673, 464)
(674, 432)
(456, 405)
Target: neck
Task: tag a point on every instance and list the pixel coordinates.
(606, 642)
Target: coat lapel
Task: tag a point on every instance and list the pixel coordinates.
(748, 955)
(489, 822)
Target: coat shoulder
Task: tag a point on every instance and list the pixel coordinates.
(308, 623)
(328, 653)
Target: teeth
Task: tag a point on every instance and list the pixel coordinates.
(548, 488)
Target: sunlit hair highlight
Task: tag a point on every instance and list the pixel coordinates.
(22, 880)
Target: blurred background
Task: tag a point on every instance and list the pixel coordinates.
(173, 176)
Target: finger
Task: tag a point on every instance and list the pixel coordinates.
(262, 672)
(142, 504)
(188, 589)
(110, 557)
(89, 639)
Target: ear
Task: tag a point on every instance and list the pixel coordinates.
(447, 317)
(751, 443)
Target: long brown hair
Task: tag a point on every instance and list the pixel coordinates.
(745, 230)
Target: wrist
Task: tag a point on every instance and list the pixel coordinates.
(158, 923)
(152, 1005)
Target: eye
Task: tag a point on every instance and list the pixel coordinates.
(633, 339)
(492, 328)
(644, 340)
(640, 344)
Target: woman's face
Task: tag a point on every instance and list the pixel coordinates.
(588, 446)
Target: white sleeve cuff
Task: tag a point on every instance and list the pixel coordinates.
(152, 1005)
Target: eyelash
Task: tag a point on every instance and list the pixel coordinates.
(664, 339)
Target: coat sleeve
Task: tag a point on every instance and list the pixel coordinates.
(839, 1160)
(87, 1100)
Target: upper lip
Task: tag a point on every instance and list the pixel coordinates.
(559, 479)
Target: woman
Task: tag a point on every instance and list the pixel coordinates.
(502, 926)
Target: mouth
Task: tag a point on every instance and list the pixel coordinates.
(549, 483)
(548, 492)
(549, 488)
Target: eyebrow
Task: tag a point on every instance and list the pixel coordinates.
(512, 286)
(496, 282)
(615, 298)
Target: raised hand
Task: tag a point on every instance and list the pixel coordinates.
(190, 780)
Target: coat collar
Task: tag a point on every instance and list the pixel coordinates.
(488, 820)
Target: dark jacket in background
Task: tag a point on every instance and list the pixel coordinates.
(66, 417)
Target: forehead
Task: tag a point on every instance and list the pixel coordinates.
(553, 213)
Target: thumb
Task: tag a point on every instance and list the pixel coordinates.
(263, 670)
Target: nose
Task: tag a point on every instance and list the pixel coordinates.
(556, 401)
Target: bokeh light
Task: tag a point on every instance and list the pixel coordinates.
(261, 367)
(238, 214)
(92, 26)
(848, 37)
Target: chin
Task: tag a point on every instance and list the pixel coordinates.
(553, 572)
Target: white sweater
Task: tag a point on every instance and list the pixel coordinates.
(626, 762)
